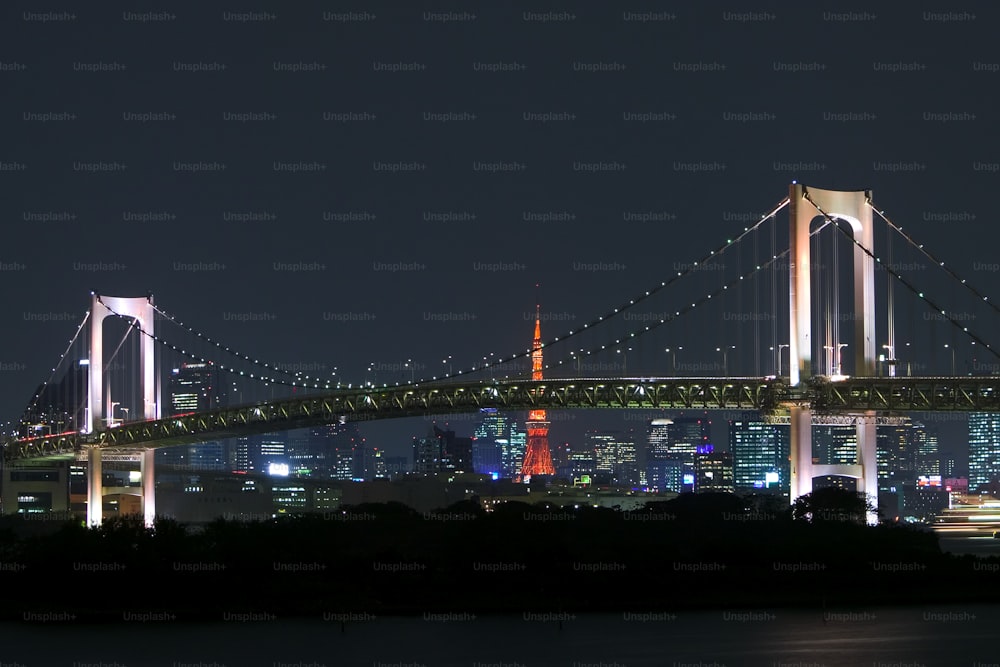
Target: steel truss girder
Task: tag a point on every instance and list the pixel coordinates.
(839, 420)
(904, 394)
(366, 404)
(767, 395)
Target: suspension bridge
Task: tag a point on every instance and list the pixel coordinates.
(72, 415)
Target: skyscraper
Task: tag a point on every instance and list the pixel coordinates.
(456, 449)
(895, 458)
(925, 448)
(487, 457)
(713, 471)
(504, 434)
(895, 461)
(671, 448)
(614, 455)
(760, 456)
(194, 388)
(537, 458)
(428, 454)
(984, 451)
(658, 439)
(836, 445)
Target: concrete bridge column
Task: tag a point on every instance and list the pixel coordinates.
(800, 435)
(852, 208)
(147, 471)
(867, 453)
(95, 489)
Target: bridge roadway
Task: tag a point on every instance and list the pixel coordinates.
(768, 395)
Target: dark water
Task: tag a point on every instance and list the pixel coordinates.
(933, 635)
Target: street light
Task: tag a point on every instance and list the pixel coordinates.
(892, 360)
(840, 346)
(725, 358)
(952, 359)
(673, 353)
(834, 359)
(779, 356)
(447, 361)
(624, 360)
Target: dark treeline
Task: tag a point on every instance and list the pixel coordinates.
(696, 551)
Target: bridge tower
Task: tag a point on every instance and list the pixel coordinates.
(853, 208)
(537, 457)
(140, 309)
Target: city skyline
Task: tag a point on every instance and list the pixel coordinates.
(386, 194)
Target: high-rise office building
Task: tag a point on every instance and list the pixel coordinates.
(614, 455)
(671, 445)
(309, 453)
(760, 454)
(895, 463)
(504, 432)
(512, 451)
(369, 463)
(835, 445)
(194, 388)
(580, 463)
(605, 446)
(713, 471)
(925, 449)
(658, 439)
(457, 450)
(273, 452)
(984, 452)
(428, 454)
(894, 457)
(487, 457)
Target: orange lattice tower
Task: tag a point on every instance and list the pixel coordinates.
(537, 458)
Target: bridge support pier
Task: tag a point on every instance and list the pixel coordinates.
(95, 489)
(850, 207)
(147, 472)
(867, 446)
(800, 436)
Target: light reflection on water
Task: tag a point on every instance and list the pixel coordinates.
(934, 635)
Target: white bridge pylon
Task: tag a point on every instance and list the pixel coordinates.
(853, 207)
(141, 310)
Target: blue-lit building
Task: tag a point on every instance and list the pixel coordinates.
(671, 446)
(504, 432)
(984, 452)
(760, 454)
(487, 456)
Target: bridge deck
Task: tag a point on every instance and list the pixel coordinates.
(768, 395)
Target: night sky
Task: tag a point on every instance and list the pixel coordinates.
(328, 185)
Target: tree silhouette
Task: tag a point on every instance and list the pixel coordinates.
(832, 504)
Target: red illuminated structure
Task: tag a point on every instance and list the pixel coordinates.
(537, 458)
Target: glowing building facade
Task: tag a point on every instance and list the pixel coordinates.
(760, 456)
(984, 452)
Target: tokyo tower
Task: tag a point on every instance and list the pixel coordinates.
(537, 458)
